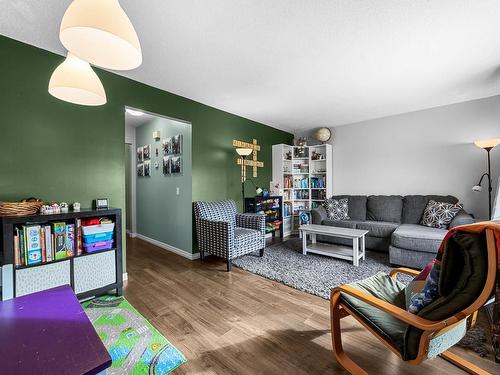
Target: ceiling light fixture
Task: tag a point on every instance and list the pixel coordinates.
(134, 112)
(100, 32)
(74, 81)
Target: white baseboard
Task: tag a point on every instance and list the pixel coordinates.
(170, 248)
(125, 276)
(131, 234)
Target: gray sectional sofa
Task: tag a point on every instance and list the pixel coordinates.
(393, 222)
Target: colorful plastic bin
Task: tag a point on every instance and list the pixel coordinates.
(97, 246)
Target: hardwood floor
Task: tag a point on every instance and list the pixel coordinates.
(241, 323)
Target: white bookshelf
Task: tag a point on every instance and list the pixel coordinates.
(304, 179)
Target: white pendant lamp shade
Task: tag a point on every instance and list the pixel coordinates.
(100, 32)
(74, 81)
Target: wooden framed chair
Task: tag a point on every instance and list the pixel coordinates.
(466, 282)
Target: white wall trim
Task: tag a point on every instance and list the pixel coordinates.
(131, 234)
(125, 276)
(170, 248)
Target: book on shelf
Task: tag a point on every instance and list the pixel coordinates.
(35, 243)
(49, 252)
(59, 235)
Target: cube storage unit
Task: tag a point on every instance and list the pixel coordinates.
(98, 270)
(305, 177)
(272, 207)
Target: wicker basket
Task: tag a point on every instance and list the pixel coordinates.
(20, 208)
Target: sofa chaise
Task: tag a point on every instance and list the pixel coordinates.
(393, 222)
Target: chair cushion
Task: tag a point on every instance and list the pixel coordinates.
(384, 208)
(414, 206)
(418, 238)
(379, 229)
(462, 277)
(357, 205)
(382, 286)
(245, 238)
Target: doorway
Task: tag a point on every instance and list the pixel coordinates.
(159, 180)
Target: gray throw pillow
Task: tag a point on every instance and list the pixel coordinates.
(440, 214)
(337, 209)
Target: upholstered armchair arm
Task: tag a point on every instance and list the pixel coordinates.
(398, 313)
(252, 221)
(215, 237)
(461, 218)
(318, 215)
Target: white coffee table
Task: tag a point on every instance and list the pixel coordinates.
(354, 254)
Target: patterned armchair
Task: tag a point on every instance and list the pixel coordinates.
(223, 232)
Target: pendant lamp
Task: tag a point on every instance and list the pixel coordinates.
(74, 81)
(99, 31)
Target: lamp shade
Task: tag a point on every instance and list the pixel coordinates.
(100, 32)
(74, 81)
(487, 143)
(244, 151)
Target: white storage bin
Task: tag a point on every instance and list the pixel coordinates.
(100, 228)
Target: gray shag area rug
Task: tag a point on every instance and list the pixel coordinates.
(314, 274)
(317, 274)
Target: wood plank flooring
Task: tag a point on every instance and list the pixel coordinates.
(241, 323)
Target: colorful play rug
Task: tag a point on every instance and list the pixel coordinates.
(134, 345)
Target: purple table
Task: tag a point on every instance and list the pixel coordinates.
(49, 333)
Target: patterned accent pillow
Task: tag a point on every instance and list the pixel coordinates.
(440, 214)
(423, 289)
(337, 209)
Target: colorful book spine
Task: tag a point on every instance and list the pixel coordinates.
(59, 233)
(42, 241)
(70, 240)
(17, 253)
(48, 243)
(33, 244)
(79, 242)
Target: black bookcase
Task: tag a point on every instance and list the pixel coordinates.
(103, 260)
(272, 207)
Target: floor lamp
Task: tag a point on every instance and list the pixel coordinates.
(243, 152)
(488, 145)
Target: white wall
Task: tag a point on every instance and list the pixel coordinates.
(424, 152)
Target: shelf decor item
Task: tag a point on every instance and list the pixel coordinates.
(487, 145)
(101, 203)
(323, 135)
(28, 206)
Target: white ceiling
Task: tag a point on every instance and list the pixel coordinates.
(136, 121)
(297, 64)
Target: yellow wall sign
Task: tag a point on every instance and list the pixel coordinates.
(254, 163)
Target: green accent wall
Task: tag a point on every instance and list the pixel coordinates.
(161, 214)
(64, 152)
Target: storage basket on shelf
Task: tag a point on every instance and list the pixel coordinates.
(97, 236)
(26, 207)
